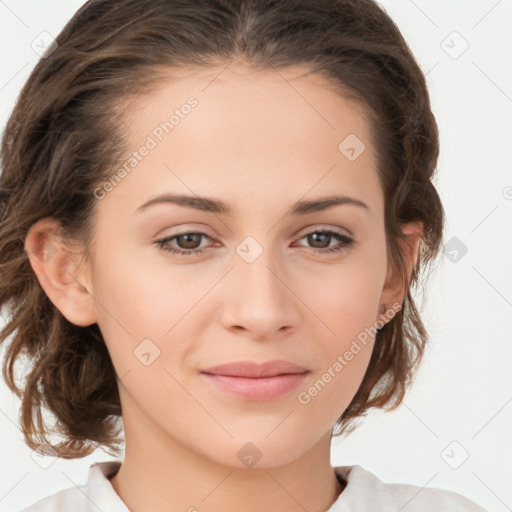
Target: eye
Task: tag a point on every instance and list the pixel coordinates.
(322, 238)
(187, 240)
(189, 243)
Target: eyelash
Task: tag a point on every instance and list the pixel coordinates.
(346, 242)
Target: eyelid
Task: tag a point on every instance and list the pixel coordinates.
(322, 227)
(185, 231)
(313, 228)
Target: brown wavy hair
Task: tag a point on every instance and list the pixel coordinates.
(66, 135)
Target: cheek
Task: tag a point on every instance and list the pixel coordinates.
(345, 348)
(147, 311)
(139, 293)
(345, 337)
(347, 298)
(130, 306)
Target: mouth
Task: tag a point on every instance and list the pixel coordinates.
(253, 369)
(258, 389)
(257, 382)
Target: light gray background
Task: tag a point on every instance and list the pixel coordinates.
(461, 404)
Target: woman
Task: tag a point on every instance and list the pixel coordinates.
(212, 217)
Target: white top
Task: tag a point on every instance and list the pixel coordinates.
(364, 492)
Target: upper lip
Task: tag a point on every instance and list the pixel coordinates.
(252, 369)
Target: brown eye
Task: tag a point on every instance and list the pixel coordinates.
(320, 241)
(189, 240)
(187, 243)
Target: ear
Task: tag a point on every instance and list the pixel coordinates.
(394, 290)
(57, 265)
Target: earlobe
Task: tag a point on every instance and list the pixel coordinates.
(56, 265)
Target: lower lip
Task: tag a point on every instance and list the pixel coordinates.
(257, 389)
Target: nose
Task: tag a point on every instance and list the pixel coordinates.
(260, 299)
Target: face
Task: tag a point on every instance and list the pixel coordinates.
(181, 288)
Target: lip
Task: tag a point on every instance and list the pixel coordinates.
(252, 369)
(258, 382)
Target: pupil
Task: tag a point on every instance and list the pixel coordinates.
(316, 235)
(188, 238)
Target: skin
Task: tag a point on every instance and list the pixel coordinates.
(260, 141)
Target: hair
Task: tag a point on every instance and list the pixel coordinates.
(66, 134)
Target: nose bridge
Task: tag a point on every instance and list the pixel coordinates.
(256, 268)
(259, 300)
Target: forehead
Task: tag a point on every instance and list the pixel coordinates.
(236, 95)
(259, 129)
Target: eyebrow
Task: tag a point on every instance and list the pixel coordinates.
(207, 204)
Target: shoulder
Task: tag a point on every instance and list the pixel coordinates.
(98, 491)
(67, 499)
(364, 491)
